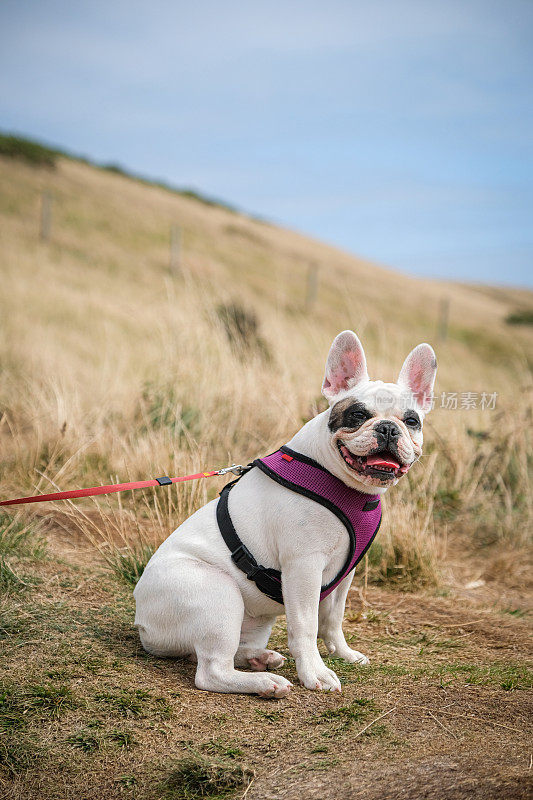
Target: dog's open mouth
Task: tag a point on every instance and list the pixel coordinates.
(383, 464)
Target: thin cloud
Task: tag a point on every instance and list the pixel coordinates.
(374, 125)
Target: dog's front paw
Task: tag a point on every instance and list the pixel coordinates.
(273, 685)
(317, 677)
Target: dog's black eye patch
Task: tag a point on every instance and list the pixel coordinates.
(348, 414)
(412, 420)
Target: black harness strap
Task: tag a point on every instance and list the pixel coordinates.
(266, 579)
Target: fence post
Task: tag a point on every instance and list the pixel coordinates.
(444, 313)
(312, 287)
(175, 247)
(46, 216)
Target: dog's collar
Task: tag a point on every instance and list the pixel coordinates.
(360, 513)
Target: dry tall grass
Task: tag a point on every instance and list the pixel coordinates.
(112, 368)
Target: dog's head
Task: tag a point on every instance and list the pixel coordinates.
(375, 428)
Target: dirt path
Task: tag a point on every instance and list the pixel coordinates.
(444, 710)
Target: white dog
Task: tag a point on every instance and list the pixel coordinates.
(194, 600)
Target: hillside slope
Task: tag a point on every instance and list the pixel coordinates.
(109, 257)
(95, 319)
(113, 364)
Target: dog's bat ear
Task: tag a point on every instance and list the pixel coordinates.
(346, 365)
(418, 374)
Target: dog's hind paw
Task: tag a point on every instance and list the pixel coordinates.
(266, 659)
(341, 650)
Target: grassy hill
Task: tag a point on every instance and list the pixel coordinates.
(115, 366)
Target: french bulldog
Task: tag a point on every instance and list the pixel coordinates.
(192, 600)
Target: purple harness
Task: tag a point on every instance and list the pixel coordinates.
(359, 512)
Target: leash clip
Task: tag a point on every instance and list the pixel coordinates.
(237, 469)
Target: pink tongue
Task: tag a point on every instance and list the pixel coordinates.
(378, 461)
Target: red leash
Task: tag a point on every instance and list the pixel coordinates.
(120, 487)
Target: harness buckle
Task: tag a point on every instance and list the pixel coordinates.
(245, 561)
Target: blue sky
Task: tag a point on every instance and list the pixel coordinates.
(400, 130)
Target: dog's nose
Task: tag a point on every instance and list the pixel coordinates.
(388, 432)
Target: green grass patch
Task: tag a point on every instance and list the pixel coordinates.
(342, 718)
(377, 731)
(523, 316)
(222, 749)
(20, 538)
(27, 150)
(376, 617)
(127, 781)
(269, 716)
(11, 580)
(135, 703)
(507, 676)
(11, 710)
(355, 712)
(395, 562)
(322, 764)
(160, 407)
(122, 739)
(88, 741)
(19, 753)
(516, 612)
(50, 701)
(447, 503)
(196, 777)
(503, 675)
(128, 563)
(20, 749)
